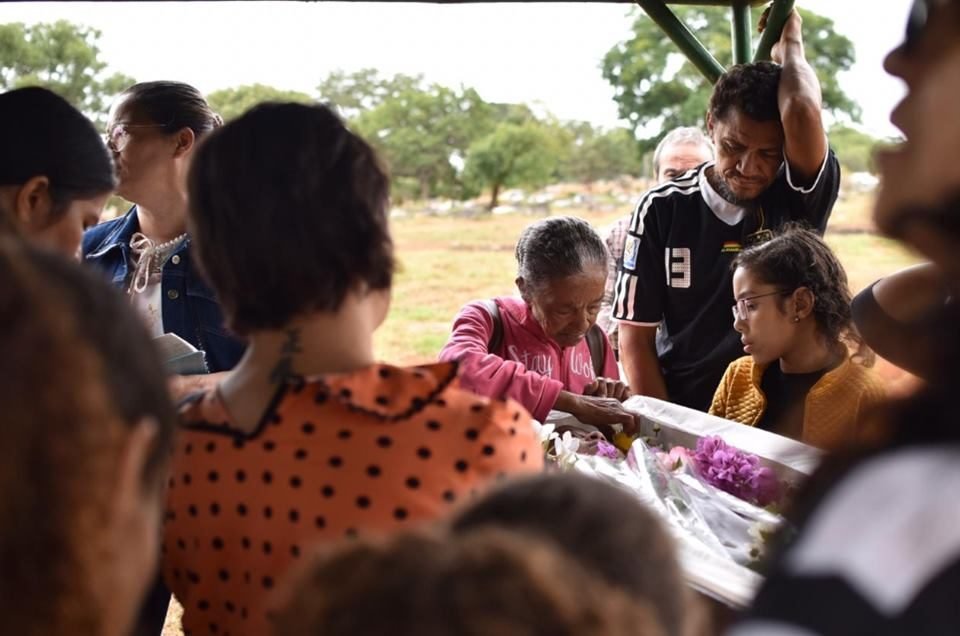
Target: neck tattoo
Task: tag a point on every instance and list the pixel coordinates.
(284, 366)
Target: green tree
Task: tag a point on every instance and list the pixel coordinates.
(63, 57)
(420, 131)
(512, 113)
(363, 90)
(854, 148)
(598, 154)
(652, 91)
(512, 155)
(233, 102)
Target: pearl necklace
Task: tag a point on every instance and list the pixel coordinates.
(149, 258)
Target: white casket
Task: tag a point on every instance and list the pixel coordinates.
(715, 532)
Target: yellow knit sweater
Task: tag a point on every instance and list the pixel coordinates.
(833, 411)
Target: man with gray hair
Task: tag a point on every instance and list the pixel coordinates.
(681, 149)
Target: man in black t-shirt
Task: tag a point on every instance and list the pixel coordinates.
(773, 165)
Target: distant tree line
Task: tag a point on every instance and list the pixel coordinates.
(442, 141)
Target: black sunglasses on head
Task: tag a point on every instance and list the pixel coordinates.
(917, 20)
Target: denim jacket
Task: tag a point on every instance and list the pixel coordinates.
(189, 309)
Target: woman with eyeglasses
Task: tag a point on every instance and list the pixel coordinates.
(799, 378)
(153, 131)
(55, 173)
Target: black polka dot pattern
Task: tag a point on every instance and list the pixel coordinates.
(328, 462)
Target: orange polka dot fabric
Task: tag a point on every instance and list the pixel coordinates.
(336, 456)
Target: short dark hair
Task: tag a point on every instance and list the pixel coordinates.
(78, 368)
(607, 530)
(558, 247)
(490, 582)
(751, 89)
(43, 135)
(288, 211)
(175, 105)
(798, 257)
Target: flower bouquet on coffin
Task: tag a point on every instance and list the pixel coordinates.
(729, 490)
(718, 533)
(718, 500)
(727, 468)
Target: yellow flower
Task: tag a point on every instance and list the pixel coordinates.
(622, 441)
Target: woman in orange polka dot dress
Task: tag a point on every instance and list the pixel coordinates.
(308, 439)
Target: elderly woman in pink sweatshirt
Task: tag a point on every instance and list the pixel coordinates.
(544, 349)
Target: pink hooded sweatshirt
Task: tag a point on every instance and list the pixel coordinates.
(528, 366)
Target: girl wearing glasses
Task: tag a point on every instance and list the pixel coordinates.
(153, 131)
(799, 378)
(55, 174)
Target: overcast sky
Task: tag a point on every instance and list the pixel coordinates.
(547, 53)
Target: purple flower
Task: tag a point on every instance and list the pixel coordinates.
(608, 450)
(736, 472)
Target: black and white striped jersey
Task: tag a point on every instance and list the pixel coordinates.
(675, 268)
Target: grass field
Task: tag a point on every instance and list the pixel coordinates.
(446, 262)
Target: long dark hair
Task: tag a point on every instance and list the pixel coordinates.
(43, 135)
(78, 369)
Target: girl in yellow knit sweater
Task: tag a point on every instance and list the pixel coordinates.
(799, 378)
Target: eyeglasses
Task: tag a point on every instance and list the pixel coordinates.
(118, 136)
(740, 309)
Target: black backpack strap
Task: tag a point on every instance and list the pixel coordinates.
(598, 353)
(496, 338)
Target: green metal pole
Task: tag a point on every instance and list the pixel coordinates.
(686, 41)
(740, 33)
(771, 34)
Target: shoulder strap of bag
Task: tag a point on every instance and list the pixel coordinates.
(496, 338)
(598, 353)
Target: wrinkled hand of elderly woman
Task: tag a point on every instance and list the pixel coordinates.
(606, 387)
(601, 412)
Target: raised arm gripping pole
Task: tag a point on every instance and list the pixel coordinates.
(771, 34)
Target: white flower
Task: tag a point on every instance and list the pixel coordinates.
(544, 431)
(566, 448)
(759, 531)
